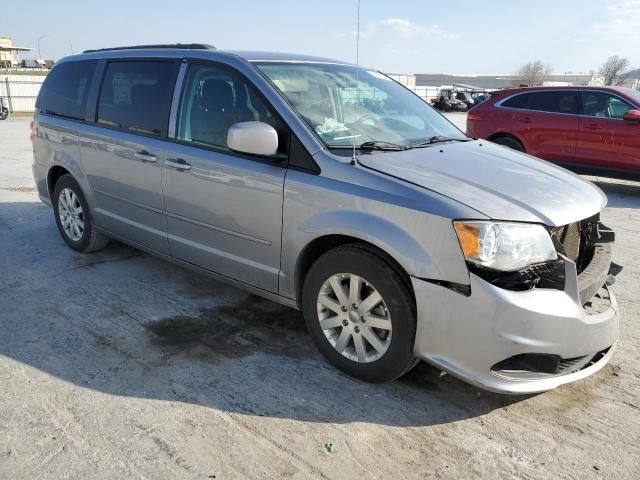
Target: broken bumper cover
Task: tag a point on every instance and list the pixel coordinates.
(468, 336)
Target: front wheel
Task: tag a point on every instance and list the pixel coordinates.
(73, 217)
(360, 313)
(509, 142)
(4, 113)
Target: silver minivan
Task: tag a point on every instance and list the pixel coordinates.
(335, 190)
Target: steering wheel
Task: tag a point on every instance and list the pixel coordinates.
(366, 117)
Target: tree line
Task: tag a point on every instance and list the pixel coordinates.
(614, 72)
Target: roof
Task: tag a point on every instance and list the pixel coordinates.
(621, 90)
(208, 51)
(13, 48)
(260, 56)
(163, 46)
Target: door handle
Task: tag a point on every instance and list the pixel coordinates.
(526, 120)
(593, 126)
(178, 163)
(145, 156)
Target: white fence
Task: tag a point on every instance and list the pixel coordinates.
(21, 91)
(426, 93)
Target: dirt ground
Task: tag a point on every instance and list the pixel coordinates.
(118, 365)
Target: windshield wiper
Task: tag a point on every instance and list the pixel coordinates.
(381, 145)
(436, 139)
(390, 146)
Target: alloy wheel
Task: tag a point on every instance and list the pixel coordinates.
(71, 214)
(354, 317)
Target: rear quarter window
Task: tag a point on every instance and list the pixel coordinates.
(517, 101)
(65, 89)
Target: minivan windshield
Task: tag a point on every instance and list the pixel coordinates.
(368, 108)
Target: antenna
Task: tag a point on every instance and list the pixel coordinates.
(355, 105)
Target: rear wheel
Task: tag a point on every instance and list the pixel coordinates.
(360, 313)
(4, 113)
(509, 142)
(73, 217)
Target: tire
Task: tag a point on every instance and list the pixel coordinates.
(395, 314)
(509, 142)
(86, 238)
(4, 113)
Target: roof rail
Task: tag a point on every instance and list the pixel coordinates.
(181, 46)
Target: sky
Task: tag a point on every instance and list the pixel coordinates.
(399, 36)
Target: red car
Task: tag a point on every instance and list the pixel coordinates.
(592, 130)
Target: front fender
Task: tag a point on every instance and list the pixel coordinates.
(424, 245)
(379, 232)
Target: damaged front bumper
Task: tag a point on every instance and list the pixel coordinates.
(520, 341)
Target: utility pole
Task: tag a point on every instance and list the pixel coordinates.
(41, 37)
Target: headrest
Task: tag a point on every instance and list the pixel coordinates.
(217, 95)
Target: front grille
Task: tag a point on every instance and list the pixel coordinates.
(588, 244)
(569, 237)
(576, 240)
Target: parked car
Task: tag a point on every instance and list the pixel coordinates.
(479, 97)
(398, 237)
(445, 104)
(453, 100)
(34, 63)
(593, 130)
(465, 97)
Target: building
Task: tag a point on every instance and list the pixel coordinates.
(9, 53)
(496, 82)
(429, 85)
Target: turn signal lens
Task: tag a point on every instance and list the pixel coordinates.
(478, 241)
(468, 237)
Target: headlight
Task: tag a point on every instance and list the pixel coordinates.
(504, 246)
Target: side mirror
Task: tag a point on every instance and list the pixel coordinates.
(255, 138)
(632, 116)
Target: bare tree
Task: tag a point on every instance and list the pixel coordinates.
(533, 73)
(614, 70)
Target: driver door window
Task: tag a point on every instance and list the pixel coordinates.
(603, 105)
(215, 99)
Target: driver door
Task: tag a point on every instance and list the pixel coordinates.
(223, 209)
(604, 138)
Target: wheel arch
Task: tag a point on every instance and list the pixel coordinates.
(69, 166)
(53, 175)
(320, 245)
(497, 135)
(380, 236)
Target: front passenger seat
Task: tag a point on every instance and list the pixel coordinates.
(217, 113)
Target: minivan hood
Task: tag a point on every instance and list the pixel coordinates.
(494, 180)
